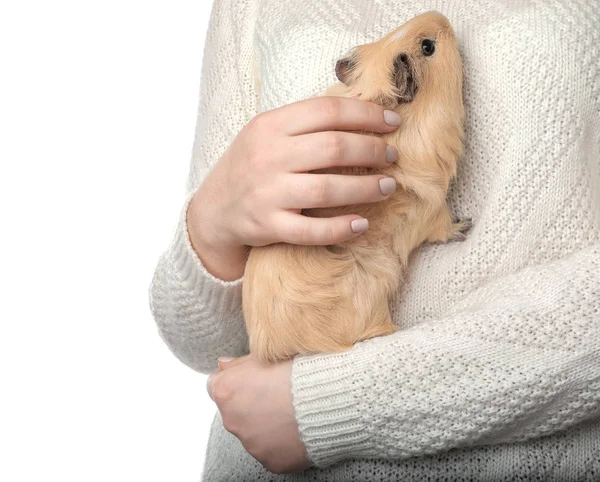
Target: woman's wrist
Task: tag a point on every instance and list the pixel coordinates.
(222, 260)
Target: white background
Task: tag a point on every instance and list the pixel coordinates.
(97, 113)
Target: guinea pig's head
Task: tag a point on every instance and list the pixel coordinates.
(419, 60)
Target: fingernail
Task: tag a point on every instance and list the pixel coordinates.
(360, 225)
(225, 359)
(392, 154)
(392, 118)
(387, 185)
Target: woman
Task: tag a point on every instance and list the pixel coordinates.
(495, 374)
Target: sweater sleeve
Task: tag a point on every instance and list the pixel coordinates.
(518, 358)
(198, 315)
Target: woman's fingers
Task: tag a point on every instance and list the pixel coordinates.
(225, 362)
(333, 114)
(305, 191)
(299, 229)
(343, 149)
(265, 174)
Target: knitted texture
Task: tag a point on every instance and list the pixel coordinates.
(495, 374)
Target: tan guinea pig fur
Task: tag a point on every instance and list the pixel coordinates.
(310, 299)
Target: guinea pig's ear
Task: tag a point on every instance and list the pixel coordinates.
(343, 68)
(404, 78)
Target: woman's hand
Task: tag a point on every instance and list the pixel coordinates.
(255, 402)
(254, 195)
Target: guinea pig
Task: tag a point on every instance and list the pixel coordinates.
(311, 299)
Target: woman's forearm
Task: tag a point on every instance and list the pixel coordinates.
(198, 315)
(504, 365)
(198, 308)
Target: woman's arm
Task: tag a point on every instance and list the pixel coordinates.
(516, 359)
(199, 316)
(253, 196)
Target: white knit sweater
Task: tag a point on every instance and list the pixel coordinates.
(501, 333)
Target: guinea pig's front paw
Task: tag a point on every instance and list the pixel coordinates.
(460, 229)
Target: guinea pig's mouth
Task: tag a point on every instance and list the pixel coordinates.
(403, 79)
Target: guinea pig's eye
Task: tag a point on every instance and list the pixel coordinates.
(427, 47)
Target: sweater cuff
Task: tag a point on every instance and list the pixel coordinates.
(218, 295)
(327, 393)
